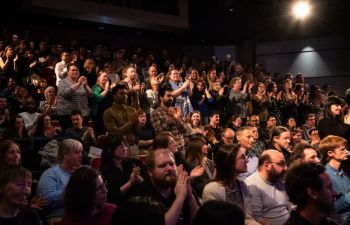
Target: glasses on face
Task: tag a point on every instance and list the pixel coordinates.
(280, 163)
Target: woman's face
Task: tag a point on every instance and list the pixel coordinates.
(261, 88)
(9, 51)
(205, 150)
(300, 92)
(19, 123)
(16, 192)
(73, 73)
(336, 109)
(47, 121)
(174, 75)
(297, 137)
(22, 92)
(103, 79)
(212, 75)
(101, 192)
(241, 161)
(120, 151)
(73, 157)
(291, 122)
(43, 83)
(195, 118)
(194, 75)
(237, 85)
(13, 155)
(172, 144)
(216, 86)
(51, 93)
(200, 86)
(288, 84)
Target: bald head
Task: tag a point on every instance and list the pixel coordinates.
(270, 155)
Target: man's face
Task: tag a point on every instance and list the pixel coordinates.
(246, 138)
(283, 140)
(164, 174)
(339, 154)
(255, 133)
(326, 197)
(310, 155)
(168, 98)
(77, 121)
(311, 121)
(131, 73)
(65, 57)
(121, 96)
(277, 167)
(254, 121)
(271, 122)
(215, 119)
(228, 137)
(30, 104)
(142, 119)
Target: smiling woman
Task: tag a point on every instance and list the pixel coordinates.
(15, 187)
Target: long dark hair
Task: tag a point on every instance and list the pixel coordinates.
(113, 141)
(225, 163)
(80, 192)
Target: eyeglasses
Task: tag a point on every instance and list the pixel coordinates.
(281, 163)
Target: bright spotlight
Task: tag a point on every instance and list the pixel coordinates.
(301, 9)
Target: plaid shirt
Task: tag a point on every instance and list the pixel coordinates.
(163, 121)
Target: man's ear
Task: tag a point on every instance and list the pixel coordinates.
(311, 193)
(330, 154)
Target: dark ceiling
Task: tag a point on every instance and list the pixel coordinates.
(233, 21)
(227, 22)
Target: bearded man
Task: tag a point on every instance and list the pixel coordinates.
(269, 199)
(171, 186)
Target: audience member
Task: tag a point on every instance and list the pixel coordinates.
(86, 205)
(61, 68)
(168, 118)
(304, 152)
(121, 119)
(227, 186)
(99, 92)
(332, 124)
(309, 187)
(140, 211)
(269, 201)
(121, 174)
(73, 93)
(15, 187)
(219, 213)
(54, 180)
(171, 186)
(49, 105)
(202, 168)
(334, 153)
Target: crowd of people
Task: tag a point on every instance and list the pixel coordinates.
(182, 141)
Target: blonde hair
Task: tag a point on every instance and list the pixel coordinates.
(49, 88)
(67, 146)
